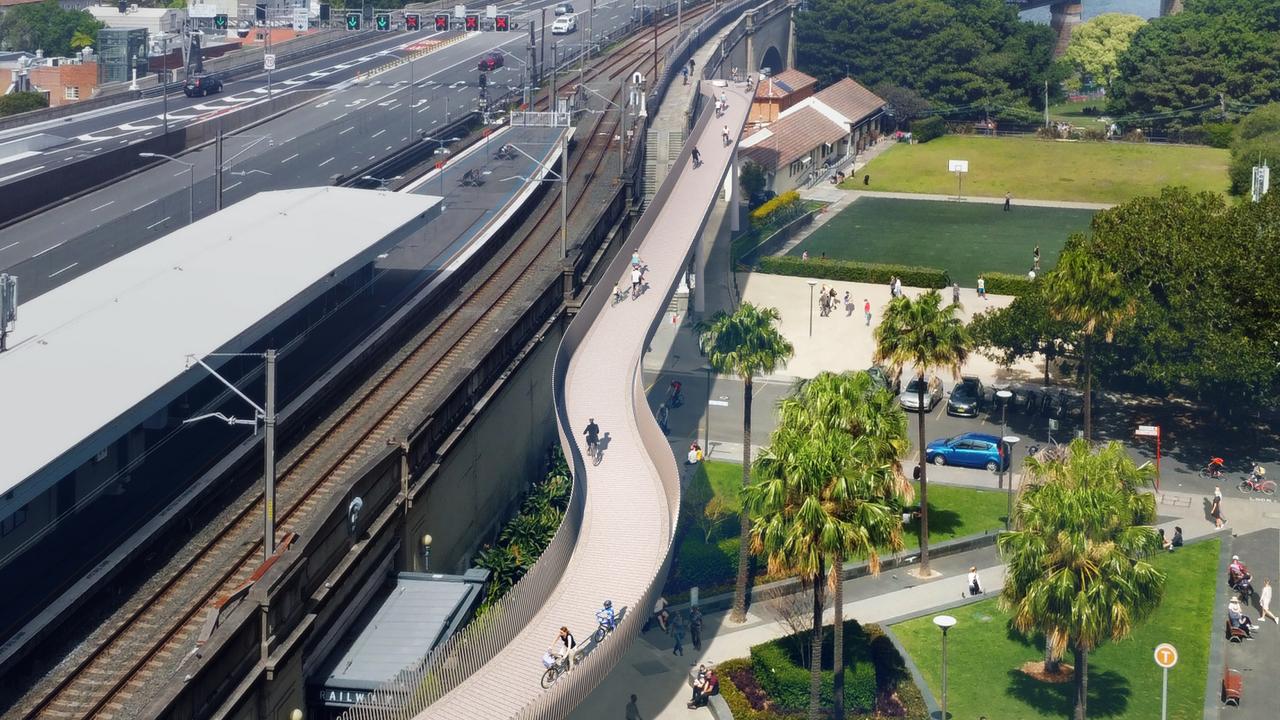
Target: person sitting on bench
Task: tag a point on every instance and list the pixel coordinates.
(710, 685)
(1237, 618)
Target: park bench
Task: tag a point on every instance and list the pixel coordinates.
(472, 178)
(1232, 686)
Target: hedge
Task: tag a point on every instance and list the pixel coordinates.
(787, 683)
(853, 271)
(789, 200)
(999, 283)
(926, 129)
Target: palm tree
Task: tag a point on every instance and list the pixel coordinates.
(1084, 291)
(1075, 568)
(825, 490)
(926, 335)
(865, 482)
(82, 39)
(746, 343)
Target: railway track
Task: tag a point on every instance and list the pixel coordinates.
(147, 641)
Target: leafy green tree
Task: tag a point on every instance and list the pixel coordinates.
(952, 52)
(927, 336)
(46, 26)
(1097, 44)
(21, 102)
(826, 489)
(1257, 140)
(1023, 329)
(904, 104)
(746, 343)
(1085, 291)
(1075, 559)
(751, 179)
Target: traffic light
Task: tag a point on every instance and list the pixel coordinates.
(484, 80)
(502, 23)
(411, 22)
(442, 23)
(353, 20)
(473, 23)
(382, 21)
(220, 22)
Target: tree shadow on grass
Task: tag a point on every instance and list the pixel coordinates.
(1108, 694)
(941, 522)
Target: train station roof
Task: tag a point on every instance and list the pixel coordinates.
(97, 356)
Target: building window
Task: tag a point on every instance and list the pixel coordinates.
(14, 521)
(71, 92)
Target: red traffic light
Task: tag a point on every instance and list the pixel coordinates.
(442, 23)
(410, 21)
(473, 23)
(502, 23)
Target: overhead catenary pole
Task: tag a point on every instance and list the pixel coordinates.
(269, 460)
(564, 195)
(217, 168)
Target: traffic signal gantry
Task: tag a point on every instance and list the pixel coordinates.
(471, 22)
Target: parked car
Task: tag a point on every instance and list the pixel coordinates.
(564, 9)
(910, 397)
(883, 377)
(201, 85)
(967, 397)
(490, 61)
(975, 450)
(564, 25)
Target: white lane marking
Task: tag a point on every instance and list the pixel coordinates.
(109, 202)
(152, 202)
(6, 247)
(344, 132)
(152, 225)
(59, 272)
(326, 162)
(229, 188)
(378, 133)
(51, 247)
(289, 158)
(24, 172)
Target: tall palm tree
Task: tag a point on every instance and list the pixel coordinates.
(746, 343)
(1084, 291)
(928, 336)
(1075, 557)
(825, 490)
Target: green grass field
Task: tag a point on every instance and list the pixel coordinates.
(1124, 682)
(962, 238)
(1045, 169)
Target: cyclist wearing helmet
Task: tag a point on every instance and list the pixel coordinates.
(605, 616)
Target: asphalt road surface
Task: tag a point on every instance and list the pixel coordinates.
(341, 130)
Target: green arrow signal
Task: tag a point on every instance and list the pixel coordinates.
(353, 22)
(383, 21)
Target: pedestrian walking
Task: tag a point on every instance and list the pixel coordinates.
(633, 712)
(695, 627)
(684, 75)
(1035, 259)
(955, 293)
(866, 310)
(691, 66)
(1215, 508)
(697, 158)
(975, 585)
(1008, 201)
(1264, 602)
(982, 287)
(677, 633)
(897, 287)
(804, 256)
(724, 134)
(662, 418)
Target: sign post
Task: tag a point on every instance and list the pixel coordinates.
(1152, 431)
(1166, 657)
(959, 167)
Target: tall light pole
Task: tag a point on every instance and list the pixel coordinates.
(564, 188)
(945, 623)
(191, 192)
(266, 416)
(706, 413)
(1011, 441)
(441, 151)
(811, 284)
(1005, 396)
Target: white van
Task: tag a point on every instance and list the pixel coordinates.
(564, 25)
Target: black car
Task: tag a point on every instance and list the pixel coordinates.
(491, 61)
(201, 85)
(883, 378)
(967, 397)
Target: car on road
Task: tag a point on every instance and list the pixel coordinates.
(910, 397)
(490, 61)
(201, 85)
(967, 397)
(974, 450)
(564, 25)
(883, 377)
(564, 9)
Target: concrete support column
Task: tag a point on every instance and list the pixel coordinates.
(791, 39)
(701, 254)
(750, 69)
(733, 192)
(1170, 7)
(1063, 18)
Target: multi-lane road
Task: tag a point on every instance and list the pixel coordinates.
(348, 125)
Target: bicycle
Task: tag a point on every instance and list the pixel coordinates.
(559, 667)
(620, 294)
(1253, 483)
(602, 630)
(594, 451)
(1213, 469)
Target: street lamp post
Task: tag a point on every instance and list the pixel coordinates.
(812, 283)
(1011, 441)
(266, 416)
(191, 191)
(441, 151)
(1004, 396)
(706, 415)
(945, 623)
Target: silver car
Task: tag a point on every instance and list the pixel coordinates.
(910, 397)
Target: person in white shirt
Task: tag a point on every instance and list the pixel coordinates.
(975, 585)
(1264, 602)
(636, 275)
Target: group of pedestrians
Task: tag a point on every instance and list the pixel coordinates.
(1240, 580)
(829, 301)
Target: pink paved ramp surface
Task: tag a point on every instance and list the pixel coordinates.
(626, 532)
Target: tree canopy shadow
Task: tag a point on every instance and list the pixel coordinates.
(1108, 693)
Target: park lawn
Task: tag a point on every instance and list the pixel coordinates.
(1046, 169)
(712, 565)
(965, 239)
(1124, 681)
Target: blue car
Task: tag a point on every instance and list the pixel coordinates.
(975, 450)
